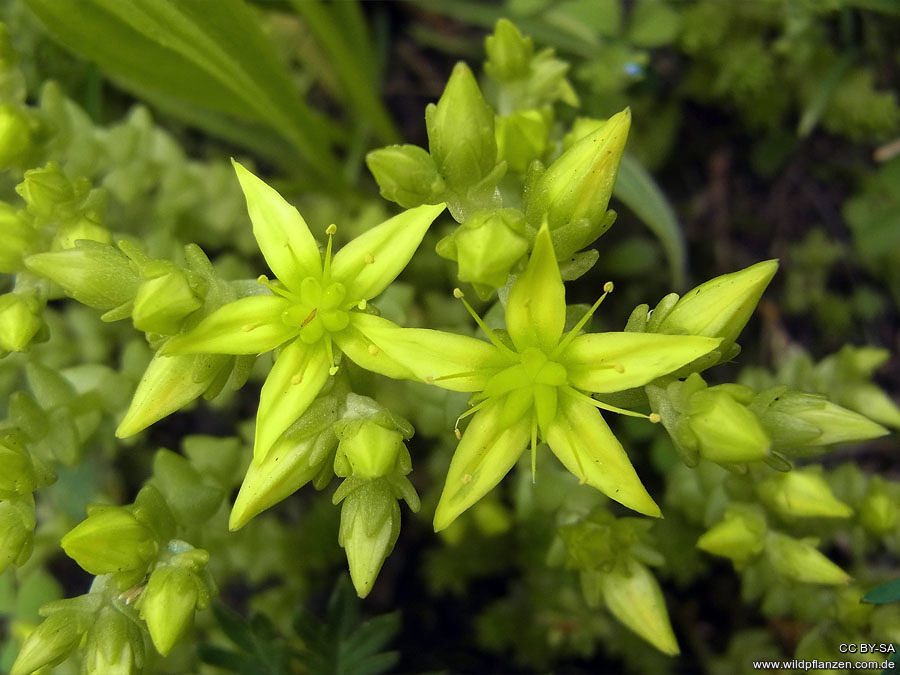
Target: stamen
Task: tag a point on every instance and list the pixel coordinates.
(655, 418)
(369, 258)
(534, 430)
(362, 304)
(330, 230)
(471, 411)
(572, 334)
(458, 294)
(472, 373)
(330, 351)
(605, 406)
(277, 290)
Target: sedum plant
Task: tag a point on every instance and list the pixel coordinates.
(527, 192)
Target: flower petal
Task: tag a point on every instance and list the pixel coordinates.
(582, 441)
(607, 362)
(430, 354)
(486, 453)
(299, 374)
(247, 326)
(536, 310)
(283, 236)
(370, 262)
(363, 351)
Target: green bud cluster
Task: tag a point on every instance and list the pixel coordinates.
(612, 556)
(374, 462)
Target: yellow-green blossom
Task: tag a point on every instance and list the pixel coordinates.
(538, 385)
(316, 302)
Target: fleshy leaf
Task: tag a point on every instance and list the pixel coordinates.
(536, 310)
(608, 362)
(486, 453)
(432, 354)
(299, 374)
(247, 326)
(583, 442)
(370, 262)
(283, 236)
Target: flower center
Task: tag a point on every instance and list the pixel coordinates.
(318, 310)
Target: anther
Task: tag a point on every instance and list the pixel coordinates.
(369, 258)
(333, 370)
(457, 433)
(331, 229)
(458, 294)
(654, 417)
(297, 379)
(312, 315)
(262, 279)
(362, 304)
(608, 287)
(467, 478)
(373, 350)
(247, 327)
(619, 368)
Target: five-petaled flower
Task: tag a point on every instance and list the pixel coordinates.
(537, 383)
(315, 305)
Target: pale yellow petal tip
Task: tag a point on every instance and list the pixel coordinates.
(240, 515)
(362, 585)
(443, 518)
(128, 427)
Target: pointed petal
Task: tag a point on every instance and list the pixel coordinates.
(283, 236)
(365, 353)
(607, 362)
(431, 354)
(374, 259)
(299, 374)
(536, 310)
(486, 453)
(247, 326)
(582, 441)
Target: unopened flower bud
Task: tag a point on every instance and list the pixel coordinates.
(168, 384)
(168, 604)
(461, 132)
(114, 645)
(52, 641)
(522, 137)
(15, 135)
(111, 540)
(633, 595)
(802, 493)
(797, 419)
(487, 245)
(16, 530)
(406, 175)
(162, 303)
(740, 535)
(288, 466)
(370, 525)
(47, 192)
(880, 510)
(98, 275)
(869, 399)
(798, 559)
(16, 236)
(20, 321)
(574, 191)
(725, 431)
(371, 449)
(508, 53)
(720, 307)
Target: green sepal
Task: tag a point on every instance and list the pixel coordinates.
(16, 530)
(114, 645)
(740, 535)
(487, 246)
(16, 238)
(20, 321)
(111, 541)
(53, 640)
(168, 603)
(802, 493)
(162, 303)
